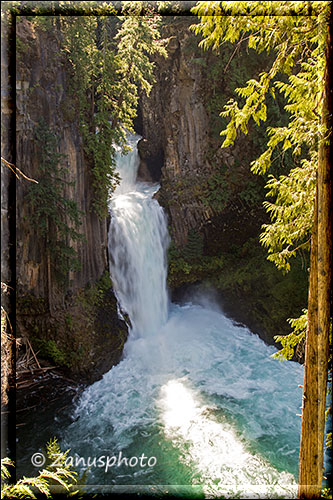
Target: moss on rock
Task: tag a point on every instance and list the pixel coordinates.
(85, 337)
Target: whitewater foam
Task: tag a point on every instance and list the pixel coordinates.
(194, 390)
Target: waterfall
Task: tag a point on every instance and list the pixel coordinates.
(197, 395)
(138, 239)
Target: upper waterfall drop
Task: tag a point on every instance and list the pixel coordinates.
(196, 392)
(138, 240)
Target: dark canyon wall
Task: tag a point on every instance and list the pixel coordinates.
(177, 123)
(213, 201)
(42, 88)
(60, 317)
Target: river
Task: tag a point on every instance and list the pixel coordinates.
(197, 407)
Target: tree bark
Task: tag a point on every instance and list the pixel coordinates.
(49, 271)
(319, 307)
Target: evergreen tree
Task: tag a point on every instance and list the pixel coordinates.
(298, 34)
(111, 61)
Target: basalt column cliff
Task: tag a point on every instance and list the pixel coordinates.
(65, 319)
(213, 201)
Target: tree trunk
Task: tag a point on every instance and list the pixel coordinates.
(317, 337)
(49, 272)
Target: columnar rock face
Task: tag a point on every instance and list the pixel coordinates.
(42, 89)
(175, 125)
(178, 142)
(61, 318)
(213, 201)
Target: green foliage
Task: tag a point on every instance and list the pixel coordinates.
(60, 476)
(291, 214)
(297, 44)
(248, 277)
(69, 321)
(5, 474)
(217, 192)
(176, 262)
(111, 60)
(194, 246)
(326, 493)
(137, 39)
(93, 295)
(54, 215)
(178, 265)
(50, 350)
(218, 189)
(28, 304)
(104, 283)
(225, 71)
(44, 23)
(251, 195)
(93, 70)
(294, 339)
(20, 46)
(188, 264)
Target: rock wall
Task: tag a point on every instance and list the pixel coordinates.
(176, 124)
(175, 127)
(210, 193)
(44, 307)
(42, 88)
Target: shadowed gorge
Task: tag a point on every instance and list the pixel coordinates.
(166, 284)
(191, 383)
(214, 207)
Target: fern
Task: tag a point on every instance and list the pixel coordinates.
(60, 476)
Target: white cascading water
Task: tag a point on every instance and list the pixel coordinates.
(138, 239)
(199, 395)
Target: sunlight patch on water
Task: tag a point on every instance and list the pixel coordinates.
(197, 392)
(218, 457)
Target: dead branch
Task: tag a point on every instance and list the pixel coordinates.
(33, 353)
(17, 171)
